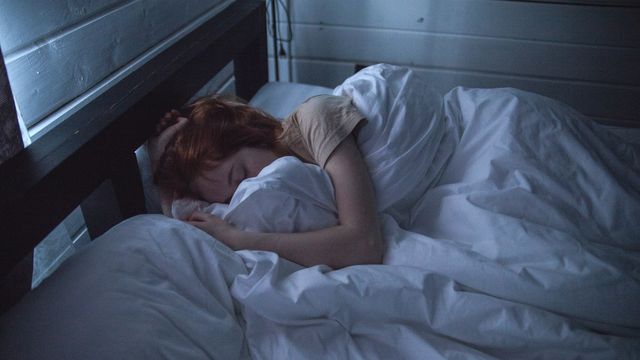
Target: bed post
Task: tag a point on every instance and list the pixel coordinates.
(127, 184)
(250, 65)
(120, 197)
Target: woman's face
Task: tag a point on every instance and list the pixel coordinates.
(218, 184)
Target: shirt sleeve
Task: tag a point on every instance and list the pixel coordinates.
(319, 125)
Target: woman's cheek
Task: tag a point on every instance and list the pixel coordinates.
(212, 193)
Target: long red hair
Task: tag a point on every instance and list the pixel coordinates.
(218, 127)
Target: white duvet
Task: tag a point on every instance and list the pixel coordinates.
(512, 231)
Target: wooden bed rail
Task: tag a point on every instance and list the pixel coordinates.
(42, 184)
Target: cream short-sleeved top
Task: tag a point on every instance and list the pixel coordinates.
(318, 126)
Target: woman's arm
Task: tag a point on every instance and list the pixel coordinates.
(166, 129)
(356, 240)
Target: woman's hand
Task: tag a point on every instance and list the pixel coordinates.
(166, 129)
(217, 228)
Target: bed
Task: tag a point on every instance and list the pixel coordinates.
(510, 223)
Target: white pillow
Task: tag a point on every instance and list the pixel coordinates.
(279, 99)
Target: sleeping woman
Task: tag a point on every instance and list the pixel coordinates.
(216, 143)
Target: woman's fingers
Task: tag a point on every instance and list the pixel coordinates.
(200, 225)
(215, 227)
(172, 129)
(168, 119)
(211, 222)
(199, 216)
(166, 129)
(169, 131)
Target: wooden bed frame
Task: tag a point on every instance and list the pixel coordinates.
(42, 184)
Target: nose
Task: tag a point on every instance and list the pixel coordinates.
(232, 188)
(237, 176)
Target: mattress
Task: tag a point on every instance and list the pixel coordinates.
(510, 223)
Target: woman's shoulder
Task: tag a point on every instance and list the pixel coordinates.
(325, 109)
(323, 104)
(318, 125)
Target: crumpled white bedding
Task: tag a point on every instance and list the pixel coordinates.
(287, 196)
(511, 229)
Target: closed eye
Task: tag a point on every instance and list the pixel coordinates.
(237, 175)
(233, 179)
(230, 175)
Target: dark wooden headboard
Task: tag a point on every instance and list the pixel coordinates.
(41, 185)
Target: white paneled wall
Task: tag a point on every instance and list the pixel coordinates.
(56, 51)
(59, 54)
(587, 56)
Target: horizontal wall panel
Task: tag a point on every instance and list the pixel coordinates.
(57, 70)
(500, 56)
(316, 72)
(22, 23)
(613, 103)
(608, 26)
(615, 3)
(585, 56)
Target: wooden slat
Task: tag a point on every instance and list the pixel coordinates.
(606, 26)
(248, 78)
(101, 210)
(17, 283)
(25, 22)
(56, 69)
(606, 3)
(585, 56)
(613, 105)
(544, 60)
(44, 182)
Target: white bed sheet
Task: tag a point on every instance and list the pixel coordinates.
(525, 245)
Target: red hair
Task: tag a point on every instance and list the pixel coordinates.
(217, 128)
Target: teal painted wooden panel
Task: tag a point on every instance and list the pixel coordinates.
(52, 71)
(23, 23)
(549, 60)
(612, 104)
(586, 56)
(608, 26)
